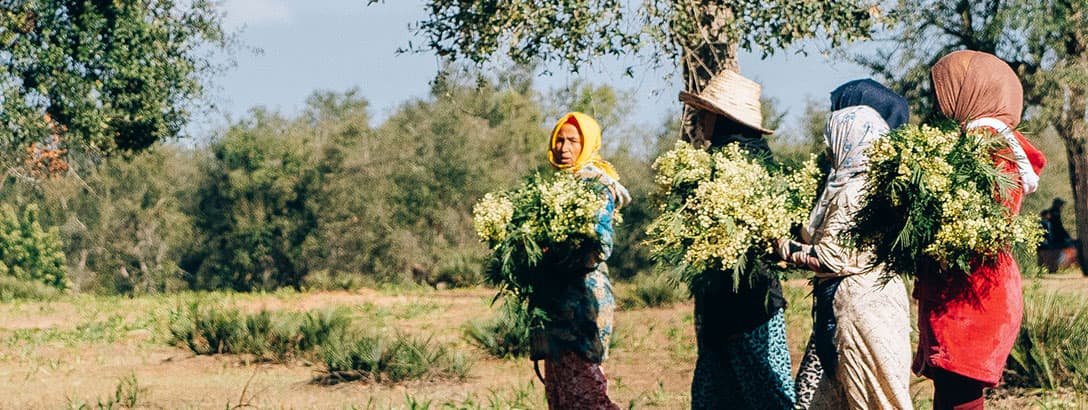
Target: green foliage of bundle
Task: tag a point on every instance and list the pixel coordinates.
(30, 252)
(540, 232)
(107, 75)
(934, 201)
(722, 210)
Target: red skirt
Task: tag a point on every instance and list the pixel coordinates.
(574, 383)
(967, 326)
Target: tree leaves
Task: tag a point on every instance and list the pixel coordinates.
(117, 76)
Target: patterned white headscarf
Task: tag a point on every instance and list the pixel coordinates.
(848, 134)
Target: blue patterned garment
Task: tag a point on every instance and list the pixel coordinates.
(581, 314)
(748, 371)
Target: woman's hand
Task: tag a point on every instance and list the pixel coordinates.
(797, 253)
(782, 248)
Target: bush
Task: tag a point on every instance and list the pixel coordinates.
(326, 280)
(462, 269)
(1050, 352)
(28, 251)
(276, 336)
(13, 289)
(376, 359)
(649, 291)
(504, 336)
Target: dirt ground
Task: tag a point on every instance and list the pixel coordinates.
(75, 352)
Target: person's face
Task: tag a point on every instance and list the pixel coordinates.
(568, 145)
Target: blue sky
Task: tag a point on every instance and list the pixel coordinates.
(339, 44)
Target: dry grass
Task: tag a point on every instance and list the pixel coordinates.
(53, 354)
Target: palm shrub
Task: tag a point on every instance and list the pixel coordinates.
(381, 359)
(648, 291)
(504, 336)
(268, 335)
(1050, 352)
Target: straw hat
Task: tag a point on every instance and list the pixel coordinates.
(731, 95)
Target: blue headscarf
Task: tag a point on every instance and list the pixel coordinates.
(893, 107)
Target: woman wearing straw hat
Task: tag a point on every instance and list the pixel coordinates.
(744, 362)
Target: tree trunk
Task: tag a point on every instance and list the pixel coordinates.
(1077, 152)
(706, 54)
(1072, 127)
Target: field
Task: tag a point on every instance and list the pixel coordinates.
(93, 351)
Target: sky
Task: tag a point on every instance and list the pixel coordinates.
(339, 44)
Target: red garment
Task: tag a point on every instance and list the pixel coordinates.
(967, 326)
(574, 383)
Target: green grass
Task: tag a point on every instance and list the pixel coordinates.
(650, 291)
(504, 336)
(127, 395)
(12, 289)
(1051, 351)
(381, 359)
(526, 396)
(208, 328)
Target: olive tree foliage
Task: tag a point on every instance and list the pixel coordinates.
(1044, 41)
(701, 38)
(100, 76)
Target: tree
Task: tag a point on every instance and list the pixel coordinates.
(252, 207)
(100, 76)
(1045, 42)
(701, 37)
(28, 251)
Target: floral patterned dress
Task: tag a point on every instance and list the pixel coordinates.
(580, 317)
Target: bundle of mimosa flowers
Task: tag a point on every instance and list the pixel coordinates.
(539, 230)
(722, 210)
(934, 201)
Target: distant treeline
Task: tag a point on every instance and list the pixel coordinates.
(324, 198)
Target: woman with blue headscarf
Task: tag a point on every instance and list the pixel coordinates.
(859, 354)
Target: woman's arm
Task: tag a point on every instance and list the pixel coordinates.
(830, 256)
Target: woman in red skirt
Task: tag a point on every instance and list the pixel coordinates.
(968, 324)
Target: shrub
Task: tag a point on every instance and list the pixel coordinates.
(326, 280)
(127, 395)
(28, 251)
(1050, 352)
(460, 269)
(504, 336)
(652, 291)
(268, 335)
(12, 289)
(377, 359)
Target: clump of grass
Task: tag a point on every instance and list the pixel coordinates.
(325, 280)
(525, 396)
(127, 395)
(504, 336)
(379, 359)
(1050, 352)
(650, 291)
(275, 336)
(12, 289)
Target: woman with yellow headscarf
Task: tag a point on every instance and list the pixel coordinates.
(579, 302)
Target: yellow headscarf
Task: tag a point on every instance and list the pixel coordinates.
(591, 144)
